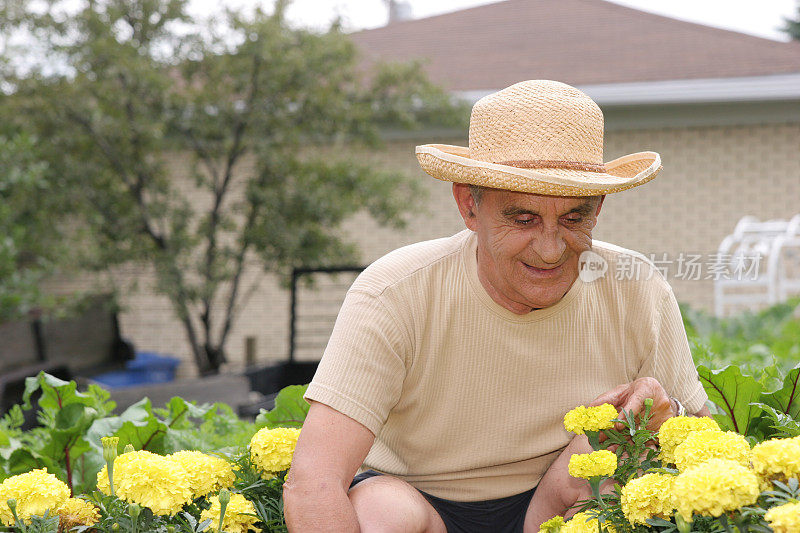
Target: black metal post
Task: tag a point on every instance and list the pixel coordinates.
(292, 311)
(38, 339)
(301, 271)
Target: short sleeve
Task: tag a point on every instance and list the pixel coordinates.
(670, 360)
(363, 367)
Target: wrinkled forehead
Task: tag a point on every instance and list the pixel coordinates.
(505, 200)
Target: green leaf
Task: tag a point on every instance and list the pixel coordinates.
(777, 423)
(14, 418)
(137, 425)
(56, 393)
(787, 398)
(179, 412)
(183, 439)
(734, 394)
(9, 446)
(69, 416)
(22, 460)
(290, 409)
(141, 428)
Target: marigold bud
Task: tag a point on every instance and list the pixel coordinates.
(134, 510)
(109, 448)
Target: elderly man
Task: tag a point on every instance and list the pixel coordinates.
(453, 361)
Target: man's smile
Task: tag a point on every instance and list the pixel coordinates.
(545, 272)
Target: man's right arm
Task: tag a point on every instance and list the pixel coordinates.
(331, 448)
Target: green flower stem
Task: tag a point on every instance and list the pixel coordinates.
(594, 439)
(594, 482)
(12, 505)
(110, 454)
(111, 477)
(224, 499)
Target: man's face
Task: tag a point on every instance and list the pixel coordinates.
(528, 245)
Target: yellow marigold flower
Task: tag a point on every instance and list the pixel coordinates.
(207, 473)
(700, 446)
(272, 449)
(35, 492)
(675, 430)
(588, 465)
(77, 512)
(553, 525)
(583, 419)
(714, 487)
(239, 515)
(149, 480)
(776, 459)
(646, 497)
(784, 518)
(581, 523)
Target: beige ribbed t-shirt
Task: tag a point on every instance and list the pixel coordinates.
(466, 399)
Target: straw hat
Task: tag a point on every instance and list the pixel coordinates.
(542, 137)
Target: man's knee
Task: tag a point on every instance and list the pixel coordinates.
(385, 504)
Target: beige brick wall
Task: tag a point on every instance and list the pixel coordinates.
(712, 177)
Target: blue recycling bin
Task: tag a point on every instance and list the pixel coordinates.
(144, 369)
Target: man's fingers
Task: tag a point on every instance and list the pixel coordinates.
(615, 396)
(643, 389)
(631, 397)
(635, 402)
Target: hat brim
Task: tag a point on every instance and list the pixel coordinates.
(452, 163)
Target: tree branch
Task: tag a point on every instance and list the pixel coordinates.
(235, 282)
(235, 152)
(112, 158)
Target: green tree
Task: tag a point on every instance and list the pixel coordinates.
(256, 113)
(30, 228)
(792, 26)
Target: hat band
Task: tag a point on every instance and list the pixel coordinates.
(550, 163)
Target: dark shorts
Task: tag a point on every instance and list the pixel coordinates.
(503, 515)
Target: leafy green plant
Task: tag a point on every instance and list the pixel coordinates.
(59, 444)
(38, 524)
(633, 456)
(71, 423)
(290, 409)
(266, 494)
(653, 492)
(748, 407)
(752, 341)
(68, 443)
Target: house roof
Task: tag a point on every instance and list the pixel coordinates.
(580, 42)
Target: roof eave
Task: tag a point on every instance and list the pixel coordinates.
(674, 104)
(689, 91)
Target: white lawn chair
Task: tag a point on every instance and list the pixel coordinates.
(775, 246)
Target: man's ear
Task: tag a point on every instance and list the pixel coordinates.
(466, 204)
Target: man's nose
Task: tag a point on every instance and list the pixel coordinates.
(551, 246)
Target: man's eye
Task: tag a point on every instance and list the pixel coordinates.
(523, 221)
(574, 220)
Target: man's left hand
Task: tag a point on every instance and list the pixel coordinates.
(631, 396)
